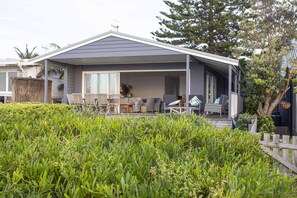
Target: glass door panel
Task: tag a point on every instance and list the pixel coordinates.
(103, 83)
(211, 88)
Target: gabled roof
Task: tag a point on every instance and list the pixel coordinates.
(198, 54)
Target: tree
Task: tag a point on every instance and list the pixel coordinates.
(51, 70)
(270, 36)
(206, 25)
(27, 54)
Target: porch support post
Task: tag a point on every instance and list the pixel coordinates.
(45, 81)
(187, 82)
(229, 92)
(65, 84)
(236, 83)
(239, 79)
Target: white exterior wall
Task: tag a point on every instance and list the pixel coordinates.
(31, 71)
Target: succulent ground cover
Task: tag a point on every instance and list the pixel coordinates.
(49, 151)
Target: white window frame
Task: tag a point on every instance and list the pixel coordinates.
(211, 87)
(100, 72)
(7, 92)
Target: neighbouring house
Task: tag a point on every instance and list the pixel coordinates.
(286, 119)
(8, 68)
(99, 64)
(19, 68)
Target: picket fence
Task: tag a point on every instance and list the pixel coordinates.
(283, 150)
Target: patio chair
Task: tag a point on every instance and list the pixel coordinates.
(197, 107)
(217, 107)
(113, 104)
(167, 99)
(153, 104)
(75, 99)
(101, 102)
(90, 102)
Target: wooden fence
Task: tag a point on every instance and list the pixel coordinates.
(29, 90)
(283, 150)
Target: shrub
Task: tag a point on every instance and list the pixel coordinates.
(265, 124)
(245, 119)
(69, 155)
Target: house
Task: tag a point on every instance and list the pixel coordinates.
(19, 68)
(100, 63)
(286, 119)
(8, 68)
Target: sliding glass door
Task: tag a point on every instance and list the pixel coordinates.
(103, 83)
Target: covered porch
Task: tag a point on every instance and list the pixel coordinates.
(154, 69)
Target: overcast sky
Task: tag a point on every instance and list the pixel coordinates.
(40, 22)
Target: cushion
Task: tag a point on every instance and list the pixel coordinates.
(218, 100)
(174, 102)
(195, 101)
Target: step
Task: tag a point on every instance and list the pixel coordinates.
(222, 124)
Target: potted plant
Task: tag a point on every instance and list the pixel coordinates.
(285, 105)
(126, 90)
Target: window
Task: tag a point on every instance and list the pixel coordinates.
(6, 81)
(105, 83)
(2, 81)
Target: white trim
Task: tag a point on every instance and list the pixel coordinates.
(141, 40)
(128, 71)
(100, 72)
(7, 81)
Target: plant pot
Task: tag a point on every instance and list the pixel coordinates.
(285, 105)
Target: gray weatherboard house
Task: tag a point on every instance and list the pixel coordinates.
(101, 63)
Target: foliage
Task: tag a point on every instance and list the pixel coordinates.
(48, 151)
(269, 37)
(210, 26)
(126, 90)
(265, 124)
(244, 119)
(52, 70)
(27, 54)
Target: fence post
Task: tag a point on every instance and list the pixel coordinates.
(266, 137)
(294, 152)
(286, 140)
(276, 142)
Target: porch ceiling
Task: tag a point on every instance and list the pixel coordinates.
(220, 67)
(123, 60)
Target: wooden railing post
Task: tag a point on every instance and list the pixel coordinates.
(286, 140)
(266, 137)
(276, 142)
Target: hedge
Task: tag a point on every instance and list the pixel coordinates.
(49, 151)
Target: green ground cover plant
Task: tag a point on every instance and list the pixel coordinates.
(49, 151)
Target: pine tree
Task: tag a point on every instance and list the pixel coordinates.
(207, 25)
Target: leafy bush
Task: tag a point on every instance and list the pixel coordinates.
(265, 124)
(245, 119)
(62, 154)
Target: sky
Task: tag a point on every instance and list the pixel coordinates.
(40, 22)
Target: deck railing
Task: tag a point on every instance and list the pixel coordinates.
(283, 150)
